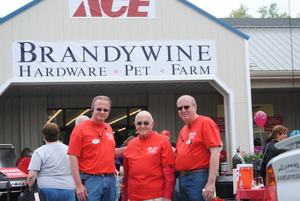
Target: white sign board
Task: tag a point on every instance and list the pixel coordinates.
(110, 59)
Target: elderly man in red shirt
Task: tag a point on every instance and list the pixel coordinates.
(197, 152)
(148, 164)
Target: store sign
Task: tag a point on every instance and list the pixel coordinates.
(220, 122)
(112, 8)
(273, 121)
(99, 59)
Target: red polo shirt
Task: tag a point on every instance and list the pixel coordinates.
(144, 163)
(194, 141)
(94, 145)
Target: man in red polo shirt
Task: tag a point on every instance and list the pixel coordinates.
(92, 152)
(148, 164)
(197, 152)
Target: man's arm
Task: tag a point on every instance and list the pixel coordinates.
(119, 151)
(125, 180)
(169, 173)
(81, 191)
(32, 174)
(210, 188)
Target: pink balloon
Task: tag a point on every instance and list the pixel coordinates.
(260, 118)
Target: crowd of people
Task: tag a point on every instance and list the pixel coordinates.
(150, 167)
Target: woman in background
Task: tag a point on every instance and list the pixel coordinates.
(24, 160)
(50, 166)
(278, 134)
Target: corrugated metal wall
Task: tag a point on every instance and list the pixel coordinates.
(10, 121)
(21, 121)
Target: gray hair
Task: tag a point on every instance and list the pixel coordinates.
(106, 98)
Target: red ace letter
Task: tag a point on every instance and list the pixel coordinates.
(133, 10)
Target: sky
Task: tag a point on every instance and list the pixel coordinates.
(8, 6)
(222, 8)
(218, 8)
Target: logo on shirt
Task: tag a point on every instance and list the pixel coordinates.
(152, 150)
(192, 135)
(109, 136)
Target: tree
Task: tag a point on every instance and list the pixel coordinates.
(271, 12)
(241, 12)
(265, 12)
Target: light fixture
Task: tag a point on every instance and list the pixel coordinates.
(55, 114)
(82, 113)
(121, 129)
(123, 117)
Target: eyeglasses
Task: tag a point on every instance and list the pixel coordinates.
(139, 123)
(186, 107)
(104, 110)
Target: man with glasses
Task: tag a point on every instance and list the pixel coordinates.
(197, 152)
(92, 152)
(148, 164)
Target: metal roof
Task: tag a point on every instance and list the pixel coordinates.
(274, 43)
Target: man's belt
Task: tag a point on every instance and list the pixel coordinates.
(103, 174)
(189, 172)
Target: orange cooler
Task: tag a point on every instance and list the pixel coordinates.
(245, 172)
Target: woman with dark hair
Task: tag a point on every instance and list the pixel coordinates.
(50, 166)
(279, 133)
(24, 160)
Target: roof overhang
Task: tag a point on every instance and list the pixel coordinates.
(275, 79)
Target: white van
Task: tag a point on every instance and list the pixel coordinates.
(283, 172)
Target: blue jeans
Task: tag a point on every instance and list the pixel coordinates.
(191, 186)
(100, 188)
(53, 194)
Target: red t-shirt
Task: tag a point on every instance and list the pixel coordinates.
(94, 145)
(23, 163)
(194, 141)
(143, 162)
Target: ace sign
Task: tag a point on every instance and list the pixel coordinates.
(112, 8)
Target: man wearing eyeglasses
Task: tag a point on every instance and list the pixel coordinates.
(148, 164)
(197, 152)
(92, 152)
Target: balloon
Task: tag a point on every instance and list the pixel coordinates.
(260, 118)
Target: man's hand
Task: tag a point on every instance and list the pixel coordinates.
(81, 192)
(208, 192)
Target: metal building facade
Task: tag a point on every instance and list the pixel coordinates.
(23, 111)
